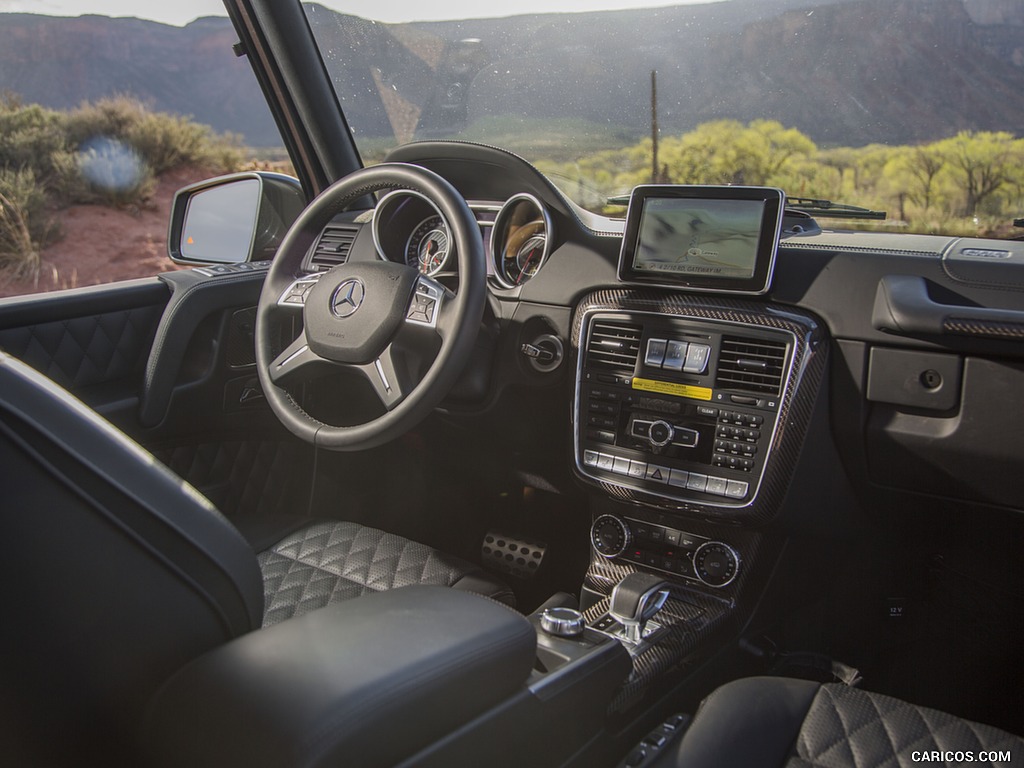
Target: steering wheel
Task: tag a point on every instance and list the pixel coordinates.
(376, 318)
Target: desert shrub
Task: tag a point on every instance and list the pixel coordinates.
(25, 225)
(29, 137)
(170, 141)
(164, 141)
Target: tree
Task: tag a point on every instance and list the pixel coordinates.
(982, 162)
(914, 170)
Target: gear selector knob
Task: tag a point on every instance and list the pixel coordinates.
(635, 600)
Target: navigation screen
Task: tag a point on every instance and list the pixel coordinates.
(703, 238)
(700, 237)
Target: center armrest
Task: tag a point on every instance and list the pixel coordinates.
(365, 682)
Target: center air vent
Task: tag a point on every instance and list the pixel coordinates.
(751, 365)
(614, 346)
(333, 247)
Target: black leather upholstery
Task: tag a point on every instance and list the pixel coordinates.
(765, 722)
(119, 573)
(334, 561)
(364, 683)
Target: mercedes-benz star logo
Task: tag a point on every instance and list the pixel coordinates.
(348, 297)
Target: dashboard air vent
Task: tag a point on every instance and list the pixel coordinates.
(751, 365)
(332, 248)
(614, 346)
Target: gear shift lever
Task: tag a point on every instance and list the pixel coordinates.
(636, 599)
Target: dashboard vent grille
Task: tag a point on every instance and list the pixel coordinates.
(333, 246)
(751, 365)
(614, 346)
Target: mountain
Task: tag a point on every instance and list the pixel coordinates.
(845, 72)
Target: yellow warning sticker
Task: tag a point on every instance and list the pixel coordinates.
(668, 388)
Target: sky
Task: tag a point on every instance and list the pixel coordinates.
(180, 12)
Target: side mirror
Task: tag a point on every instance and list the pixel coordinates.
(234, 218)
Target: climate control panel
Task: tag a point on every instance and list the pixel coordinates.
(710, 562)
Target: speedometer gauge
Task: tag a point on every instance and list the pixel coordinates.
(429, 246)
(521, 240)
(409, 229)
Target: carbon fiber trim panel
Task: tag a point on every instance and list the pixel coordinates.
(964, 327)
(689, 619)
(809, 357)
(696, 614)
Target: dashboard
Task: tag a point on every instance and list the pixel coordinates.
(704, 404)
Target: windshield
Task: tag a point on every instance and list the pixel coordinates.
(902, 106)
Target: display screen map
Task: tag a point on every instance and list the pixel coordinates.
(710, 238)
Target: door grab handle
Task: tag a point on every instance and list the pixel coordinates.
(903, 307)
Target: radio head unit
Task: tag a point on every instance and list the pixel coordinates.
(702, 238)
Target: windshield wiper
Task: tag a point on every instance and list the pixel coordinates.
(835, 210)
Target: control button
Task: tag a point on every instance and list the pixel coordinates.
(601, 436)
(590, 458)
(757, 421)
(671, 537)
(655, 353)
(604, 461)
(637, 469)
(743, 399)
(651, 559)
(668, 563)
(642, 530)
(746, 464)
(675, 355)
(686, 438)
(686, 541)
(734, 489)
(705, 410)
(678, 478)
(697, 482)
(660, 434)
(717, 485)
(641, 428)
(697, 358)
(655, 739)
(620, 466)
(657, 534)
(657, 474)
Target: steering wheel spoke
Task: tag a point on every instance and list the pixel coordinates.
(294, 358)
(388, 377)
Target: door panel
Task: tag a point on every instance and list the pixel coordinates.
(171, 362)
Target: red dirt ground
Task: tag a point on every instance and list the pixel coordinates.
(101, 245)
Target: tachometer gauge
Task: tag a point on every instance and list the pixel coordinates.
(429, 246)
(520, 241)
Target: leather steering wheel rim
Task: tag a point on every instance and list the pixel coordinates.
(460, 314)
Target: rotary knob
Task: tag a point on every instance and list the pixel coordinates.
(562, 622)
(610, 536)
(716, 564)
(661, 434)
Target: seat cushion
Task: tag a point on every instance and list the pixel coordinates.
(329, 562)
(765, 722)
